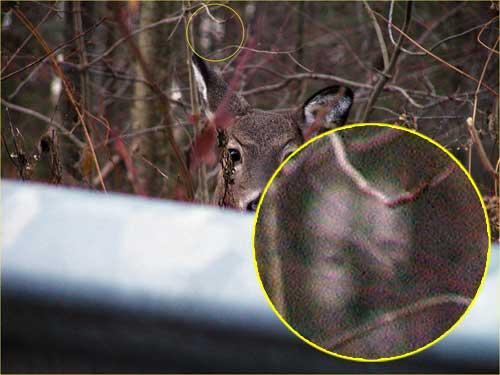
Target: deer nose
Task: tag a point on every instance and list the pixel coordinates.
(252, 206)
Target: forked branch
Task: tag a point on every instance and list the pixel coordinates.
(364, 186)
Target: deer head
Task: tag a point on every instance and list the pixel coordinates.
(258, 141)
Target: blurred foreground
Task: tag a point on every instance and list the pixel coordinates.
(112, 283)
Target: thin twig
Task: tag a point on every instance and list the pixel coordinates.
(440, 21)
(128, 36)
(82, 57)
(471, 125)
(163, 100)
(107, 168)
(6, 65)
(27, 23)
(39, 116)
(384, 77)
(380, 36)
(19, 154)
(364, 185)
(441, 60)
(54, 50)
(447, 39)
(28, 78)
(391, 37)
(10, 155)
(405, 94)
(481, 32)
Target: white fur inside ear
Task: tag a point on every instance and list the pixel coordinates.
(335, 112)
(309, 116)
(339, 109)
(200, 82)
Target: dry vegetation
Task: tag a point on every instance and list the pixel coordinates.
(99, 94)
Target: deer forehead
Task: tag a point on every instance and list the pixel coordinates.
(265, 130)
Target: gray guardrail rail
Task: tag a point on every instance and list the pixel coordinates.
(115, 283)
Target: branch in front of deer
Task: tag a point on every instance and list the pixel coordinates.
(391, 316)
(162, 102)
(441, 60)
(27, 23)
(211, 16)
(364, 185)
(202, 188)
(381, 138)
(384, 76)
(471, 121)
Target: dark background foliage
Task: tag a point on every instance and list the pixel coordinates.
(122, 68)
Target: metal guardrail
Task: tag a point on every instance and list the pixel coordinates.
(113, 283)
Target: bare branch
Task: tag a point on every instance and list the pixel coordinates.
(163, 21)
(441, 60)
(27, 23)
(163, 100)
(6, 65)
(49, 121)
(51, 52)
(364, 185)
(384, 77)
(481, 32)
(471, 122)
(380, 36)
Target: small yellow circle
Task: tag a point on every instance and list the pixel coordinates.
(380, 359)
(242, 41)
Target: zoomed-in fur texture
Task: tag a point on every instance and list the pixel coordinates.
(356, 273)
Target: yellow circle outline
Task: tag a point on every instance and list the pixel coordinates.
(242, 32)
(359, 359)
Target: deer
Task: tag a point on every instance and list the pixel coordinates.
(372, 245)
(352, 264)
(258, 141)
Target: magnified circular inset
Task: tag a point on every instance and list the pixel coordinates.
(215, 32)
(371, 242)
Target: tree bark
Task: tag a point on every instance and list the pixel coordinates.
(153, 146)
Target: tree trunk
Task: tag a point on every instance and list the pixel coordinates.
(151, 149)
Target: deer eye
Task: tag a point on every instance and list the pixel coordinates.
(234, 154)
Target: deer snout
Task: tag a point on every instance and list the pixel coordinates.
(252, 203)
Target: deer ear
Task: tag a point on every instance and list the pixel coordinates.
(326, 109)
(215, 92)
